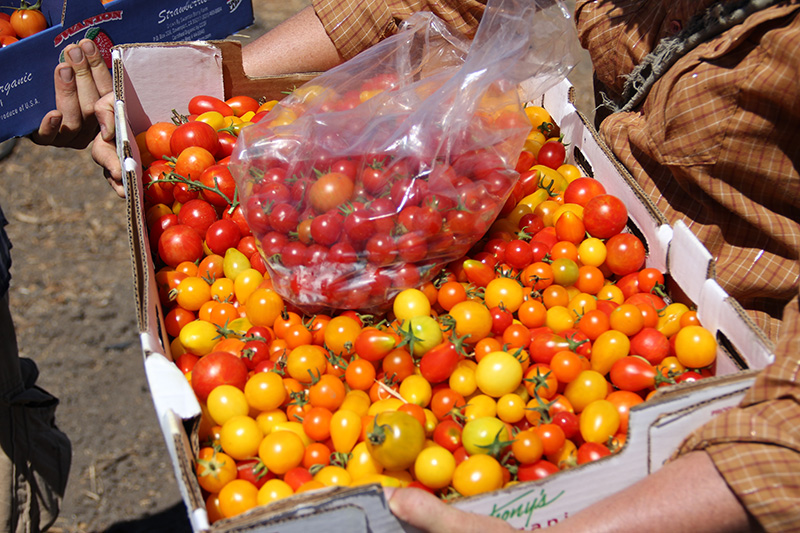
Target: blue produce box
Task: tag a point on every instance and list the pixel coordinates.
(26, 78)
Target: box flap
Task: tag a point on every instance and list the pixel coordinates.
(669, 430)
(689, 262)
(169, 387)
(150, 65)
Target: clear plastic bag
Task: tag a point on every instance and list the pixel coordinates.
(376, 174)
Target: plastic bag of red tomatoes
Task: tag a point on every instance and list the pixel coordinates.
(373, 176)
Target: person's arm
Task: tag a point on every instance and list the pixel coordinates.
(685, 495)
(298, 44)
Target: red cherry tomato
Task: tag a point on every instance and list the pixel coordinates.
(202, 103)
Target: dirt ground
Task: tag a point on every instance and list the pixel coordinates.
(72, 299)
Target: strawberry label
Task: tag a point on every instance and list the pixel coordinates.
(103, 42)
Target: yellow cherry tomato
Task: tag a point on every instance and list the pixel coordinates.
(462, 380)
(266, 106)
(246, 282)
(607, 349)
(240, 437)
(264, 306)
(234, 262)
(511, 408)
(535, 198)
(550, 179)
(416, 389)
(611, 293)
(199, 337)
(570, 172)
(237, 497)
(295, 427)
(357, 401)
(386, 404)
(273, 490)
(213, 119)
(599, 421)
(480, 406)
(434, 467)
(281, 451)
(478, 474)
(589, 386)
(669, 320)
(472, 319)
(411, 303)
(592, 252)
(332, 475)
(345, 430)
(498, 373)
(225, 402)
(361, 463)
(695, 347)
(506, 292)
(267, 420)
(265, 391)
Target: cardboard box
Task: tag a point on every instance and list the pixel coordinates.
(656, 427)
(26, 80)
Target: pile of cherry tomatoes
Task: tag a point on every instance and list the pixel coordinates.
(518, 360)
(22, 22)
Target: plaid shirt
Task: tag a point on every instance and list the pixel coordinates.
(715, 145)
(355, 25)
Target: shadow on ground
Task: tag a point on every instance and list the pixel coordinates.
(171, 520)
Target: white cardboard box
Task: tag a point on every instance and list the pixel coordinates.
(656, 427)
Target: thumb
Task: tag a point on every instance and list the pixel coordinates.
(425, 511)
(104, 111)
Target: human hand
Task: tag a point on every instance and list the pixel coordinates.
(425, 511)
(80, 81)
(104, 148)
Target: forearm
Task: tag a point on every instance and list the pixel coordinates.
(688, 494)
(299, 44)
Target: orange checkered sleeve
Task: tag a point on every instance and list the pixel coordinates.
(713, 144)
(355, 25)
(756, 447)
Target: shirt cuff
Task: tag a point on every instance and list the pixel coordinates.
(355, 25)
(757, 451)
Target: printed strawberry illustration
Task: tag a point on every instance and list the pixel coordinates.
(103, 42)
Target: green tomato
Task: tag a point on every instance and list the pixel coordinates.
(485, 435)
(423, 333)
(395, 439)
(234, 263)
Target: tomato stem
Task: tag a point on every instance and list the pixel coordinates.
(496, 447)
(377, 436)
